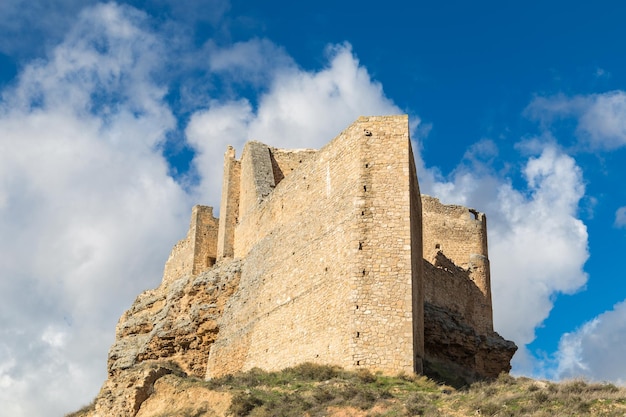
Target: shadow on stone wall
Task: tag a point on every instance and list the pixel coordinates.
(459, 345)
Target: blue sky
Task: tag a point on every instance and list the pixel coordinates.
(114, 118)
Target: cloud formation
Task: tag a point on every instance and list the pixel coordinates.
(595, 350)
(537, 244)
(620, 217)
(87, 210)
(47, 22)
(299, 109)
(600, 117)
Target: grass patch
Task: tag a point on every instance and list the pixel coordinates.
(312, 389)
(317, 390)
(86, 410)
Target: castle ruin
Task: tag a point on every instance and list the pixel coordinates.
(343, 262)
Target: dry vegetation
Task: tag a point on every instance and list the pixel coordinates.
(315, 390)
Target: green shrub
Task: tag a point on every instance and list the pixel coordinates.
(243, 403)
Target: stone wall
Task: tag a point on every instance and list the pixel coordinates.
(328, 256)
(229, 205)
(340, 254)
(456, 260)
(257, 176)
(285, 161)
(331, 260)
(198, 251)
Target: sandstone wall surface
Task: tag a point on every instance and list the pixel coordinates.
(198, 250)
(455, 244)
(328, 275)
(176, 321)
(229, 205)
(257, 176)
(285, 161)
(328, 256)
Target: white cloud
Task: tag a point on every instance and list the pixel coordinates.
(537, 245)
(601, 118)
(47, 22)
(300, 109)
(88, 213)
(87, 210)
(596, 350)
(256, 61)
(620, 217)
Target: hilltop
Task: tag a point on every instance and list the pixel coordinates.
(330, 257)
(321, 390)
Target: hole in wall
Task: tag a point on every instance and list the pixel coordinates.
(367, 165)
(358, 363)
(357, 307)
(358, 334)
(360, 245)
(364, 272)
(365, 188)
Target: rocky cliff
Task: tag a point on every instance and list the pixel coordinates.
(168, 332)
(323, 257)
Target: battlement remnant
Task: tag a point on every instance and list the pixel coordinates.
(198, 251)
(344, 262)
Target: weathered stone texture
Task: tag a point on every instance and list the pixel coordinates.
(319, 285)
(229, 206)
(328, 256)
(257, 176)
(455, 243)
(457, 352)
(198, 251)
(123, 394)
(284, 161)
(177, 321)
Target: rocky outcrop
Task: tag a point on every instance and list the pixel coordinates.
(458, 354)
(176, 322)
(331, 245)
(123, 394)
(168, 330)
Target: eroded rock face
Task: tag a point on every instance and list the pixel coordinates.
(176, 321)
(168, 330)
(457, 353)
(123, 394)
